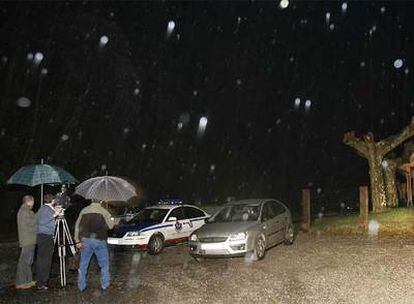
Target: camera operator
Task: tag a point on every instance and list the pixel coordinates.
(45, 243)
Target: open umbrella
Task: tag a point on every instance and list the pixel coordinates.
(40, 174)
(106, 188)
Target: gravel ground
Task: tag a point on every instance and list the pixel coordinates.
(313, 270)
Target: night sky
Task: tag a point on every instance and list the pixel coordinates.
(204, 100)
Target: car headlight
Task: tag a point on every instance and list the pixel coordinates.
(132, 233)
(241, 236)
(193, 237)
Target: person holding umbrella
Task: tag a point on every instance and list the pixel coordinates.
(91, 229)
(45, 243)
(26, 227)
(91, 234)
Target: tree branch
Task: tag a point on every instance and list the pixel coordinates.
(386, 145)
(357, 143)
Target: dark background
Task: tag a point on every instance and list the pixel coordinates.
(116, 108)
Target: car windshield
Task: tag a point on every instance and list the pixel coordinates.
(152, 214)
(237, 213)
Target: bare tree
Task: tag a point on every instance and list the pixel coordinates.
(374, 152)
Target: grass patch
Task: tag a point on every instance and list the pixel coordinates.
(394, 222)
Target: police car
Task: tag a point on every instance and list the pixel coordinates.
(168, 222)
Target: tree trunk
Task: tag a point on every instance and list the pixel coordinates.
(390, 171)
(377, 185)
(374, 152)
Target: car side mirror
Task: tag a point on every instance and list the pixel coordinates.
(172, 219)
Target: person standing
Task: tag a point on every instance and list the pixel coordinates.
(26, 228)
(45, 243)
(91, 234)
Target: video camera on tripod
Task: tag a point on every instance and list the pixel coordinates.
(63, 199)
(63, 237)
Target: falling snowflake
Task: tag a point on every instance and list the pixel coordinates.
(284, 4)
(64, 137)
(103, 41)
(398, 63)
(344, 7)
(179, 126)
(297, 102)
(170, 28)
(373, 227)
(38, 57)
(202, 126)
(308, 104)
(328, 17)
(23, 102)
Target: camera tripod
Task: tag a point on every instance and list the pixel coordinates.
(63, 239)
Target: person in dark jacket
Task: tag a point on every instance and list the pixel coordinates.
(91, 234)
(26, 228)
(45, 243)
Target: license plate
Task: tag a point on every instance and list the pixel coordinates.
(208, 246)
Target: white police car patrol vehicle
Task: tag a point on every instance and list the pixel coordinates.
(169, 222)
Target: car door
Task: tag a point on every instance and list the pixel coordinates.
(176, 231)
(280, 214)
(269, 224)
(196, 218)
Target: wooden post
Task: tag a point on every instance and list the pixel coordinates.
(363, 207)
(409, 190)
(306, 210)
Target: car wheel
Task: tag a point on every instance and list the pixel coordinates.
(259, 249)
(155, 244)
(289, 235)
